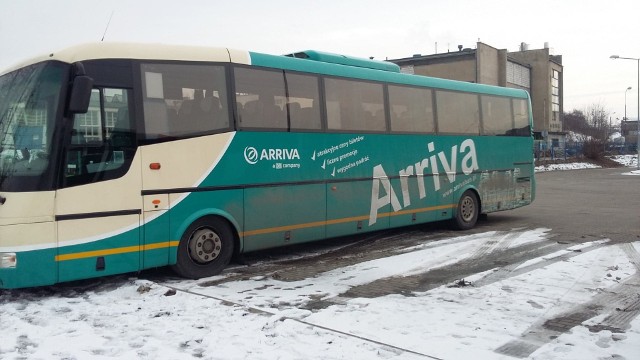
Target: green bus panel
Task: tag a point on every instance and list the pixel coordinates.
(348, 209)
(156, 236)
(416, 210)
(283, 215)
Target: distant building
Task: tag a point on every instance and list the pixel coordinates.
(536, 71)
(629, 129)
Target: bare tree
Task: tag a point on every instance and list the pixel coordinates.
(598, 119)
(590, 127)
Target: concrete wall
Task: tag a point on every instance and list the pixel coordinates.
(491, 65)
(456, 69)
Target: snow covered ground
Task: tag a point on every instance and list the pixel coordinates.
(626, 160)
(567, 166)
(570, 302)
(565, 304)
(630, 161)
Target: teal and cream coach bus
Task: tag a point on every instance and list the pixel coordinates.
(120, 157)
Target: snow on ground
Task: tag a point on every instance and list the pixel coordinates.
(265, 318)
(567, 166)
(626, 160)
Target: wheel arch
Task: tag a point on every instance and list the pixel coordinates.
(182, 227)
(462, 191)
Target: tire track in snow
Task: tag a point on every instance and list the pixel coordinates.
(495, 250)
(371, 247)
(621, 303)
(514, 269)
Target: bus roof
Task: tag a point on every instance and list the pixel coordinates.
(113, 50)
(345, 60)
(307, 61)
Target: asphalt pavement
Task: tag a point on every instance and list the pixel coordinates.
(579, 206)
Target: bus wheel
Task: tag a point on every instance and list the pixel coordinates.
(467, 211)
(205, 248)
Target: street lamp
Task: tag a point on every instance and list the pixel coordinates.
(638, 118)
(625, 103)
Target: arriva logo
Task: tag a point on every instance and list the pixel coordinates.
(251, 154)
(430, 164)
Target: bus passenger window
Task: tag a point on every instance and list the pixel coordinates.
(184, 100)
(458, 113)
(261, 96)
(496, 115)
(521, 118)
(303, 100)
(354, 105)
(411, 109)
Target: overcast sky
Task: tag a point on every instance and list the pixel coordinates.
(584, 32)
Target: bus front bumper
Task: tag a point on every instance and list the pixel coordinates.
(27, 255)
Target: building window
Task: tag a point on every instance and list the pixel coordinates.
(555, 91)
(518, 75)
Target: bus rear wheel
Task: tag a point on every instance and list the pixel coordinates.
(205, 249)
(467, 211)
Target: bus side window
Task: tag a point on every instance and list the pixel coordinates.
(458, 113)
(496, 115)
(521, 118)
(303, 99)
(262, 97)
(411, 109)
(354, 105)
(182, 101)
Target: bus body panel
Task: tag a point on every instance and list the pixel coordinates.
(27, 208)
(280, 173)
(99, 227)
(282, 215)
(170, 171)
(107, 254)
(156, 241)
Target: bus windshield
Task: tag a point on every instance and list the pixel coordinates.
(29, 100)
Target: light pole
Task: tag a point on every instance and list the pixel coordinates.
(625, 104)
(638, 118)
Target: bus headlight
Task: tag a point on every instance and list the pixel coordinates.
(8, 260)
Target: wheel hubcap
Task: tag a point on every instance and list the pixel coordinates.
(204, 246)
(467, 209)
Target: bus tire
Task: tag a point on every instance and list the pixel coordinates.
(205, 248)
(467, 211)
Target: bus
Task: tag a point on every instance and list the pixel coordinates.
(119, 157)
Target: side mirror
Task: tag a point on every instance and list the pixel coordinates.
(80, 95)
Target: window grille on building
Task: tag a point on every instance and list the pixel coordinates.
(518, 75)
